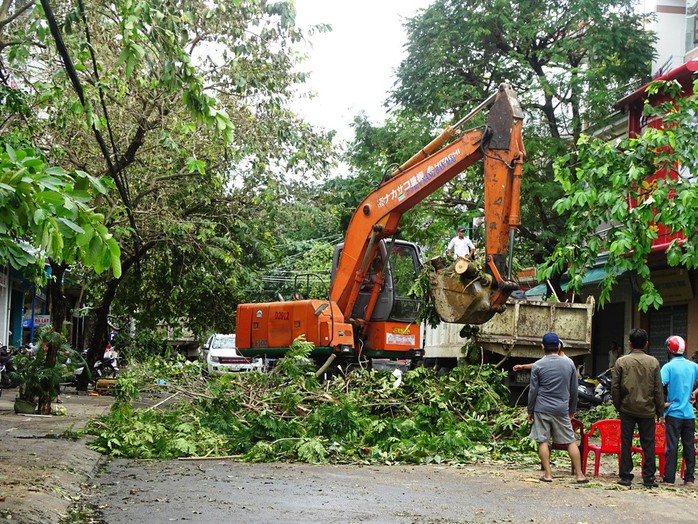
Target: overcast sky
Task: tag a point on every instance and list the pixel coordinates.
(352, 66)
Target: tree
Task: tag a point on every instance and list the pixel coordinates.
(568, 60)
(614, 202)
(184, 106)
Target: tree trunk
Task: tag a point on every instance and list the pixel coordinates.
(100, 335)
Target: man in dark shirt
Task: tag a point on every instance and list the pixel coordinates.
(552, 402)
(636, 390)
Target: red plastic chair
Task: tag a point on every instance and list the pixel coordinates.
(683, 461)
(609, 431)
(659, 447)
(577, 427)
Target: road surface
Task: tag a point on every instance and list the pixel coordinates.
(227, 491)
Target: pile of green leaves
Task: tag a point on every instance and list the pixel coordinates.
(287, 414)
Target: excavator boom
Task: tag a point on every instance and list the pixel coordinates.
(378, 216)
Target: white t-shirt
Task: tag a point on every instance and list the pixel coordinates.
(461, 246)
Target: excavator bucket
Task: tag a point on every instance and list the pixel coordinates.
(461, 295)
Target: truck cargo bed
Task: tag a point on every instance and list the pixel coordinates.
(517, 332)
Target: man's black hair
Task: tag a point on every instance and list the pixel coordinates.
(638, 338)
(549, 350)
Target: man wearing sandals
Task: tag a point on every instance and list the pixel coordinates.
(552, 402)
(679, 375)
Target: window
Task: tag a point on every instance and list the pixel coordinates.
(664, 322)
(691, 26)
(404, 269)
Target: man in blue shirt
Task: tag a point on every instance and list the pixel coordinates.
(679, 375)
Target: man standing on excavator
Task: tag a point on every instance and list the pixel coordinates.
(461, 246)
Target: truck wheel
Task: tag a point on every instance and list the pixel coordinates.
(445, 365)
(417, 363)
(429, 363)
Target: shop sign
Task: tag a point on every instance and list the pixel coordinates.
(39, 321)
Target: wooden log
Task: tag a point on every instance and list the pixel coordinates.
(461, 266)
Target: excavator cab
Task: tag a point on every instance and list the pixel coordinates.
(393, 302)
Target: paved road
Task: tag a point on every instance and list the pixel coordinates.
(227, 491)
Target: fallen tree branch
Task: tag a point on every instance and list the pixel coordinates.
(163, 401)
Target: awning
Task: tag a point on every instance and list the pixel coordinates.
(682, 74)
(592, 276)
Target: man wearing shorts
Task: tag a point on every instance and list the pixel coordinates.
(552, 402)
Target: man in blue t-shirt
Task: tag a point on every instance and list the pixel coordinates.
(679, 375)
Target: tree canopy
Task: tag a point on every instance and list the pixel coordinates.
(45, 213)
(183, 108)
(568, 60)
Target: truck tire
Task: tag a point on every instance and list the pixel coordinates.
(445, 365)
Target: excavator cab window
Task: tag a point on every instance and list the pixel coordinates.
(404, 270)
(393, 302)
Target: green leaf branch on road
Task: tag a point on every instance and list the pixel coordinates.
(287, 414)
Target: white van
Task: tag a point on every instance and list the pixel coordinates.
(222, 356)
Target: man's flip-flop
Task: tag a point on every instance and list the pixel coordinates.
(583, 481)
(543, 479)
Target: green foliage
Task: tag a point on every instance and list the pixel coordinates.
(335, 421)
(569, 61)
(36, 377)
(304, 271)
(296, 363)
(287, 415)
(596, 413)
(186, 108)
(421, 289)
(45, 212)
(614, 203)
(143, 344)
(313, 451)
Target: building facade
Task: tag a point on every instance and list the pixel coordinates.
(13, 287)
(675, 24)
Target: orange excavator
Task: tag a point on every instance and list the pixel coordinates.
(368, 313)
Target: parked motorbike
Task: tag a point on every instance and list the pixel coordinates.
(593, 392)
(106, 367)
(6, 369)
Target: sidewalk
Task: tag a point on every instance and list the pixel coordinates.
(40, 472)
